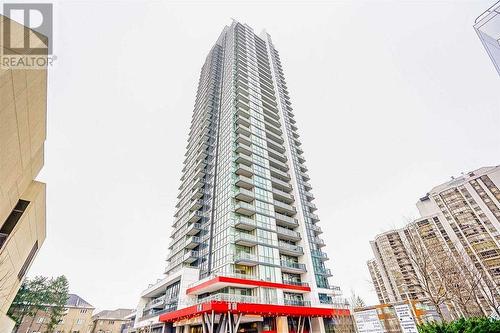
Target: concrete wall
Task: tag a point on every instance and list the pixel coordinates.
(23, 104)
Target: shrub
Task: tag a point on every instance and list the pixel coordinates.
(462, 325)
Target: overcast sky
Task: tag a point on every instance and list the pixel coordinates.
(391, 99)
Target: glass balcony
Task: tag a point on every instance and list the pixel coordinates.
(242, 169)
(276, 155)
(281, 185)
(283, 196)
(273, 128)
(245, 223)
(290, 249)
(243, 159)
(292, 267)
(240, 129)
(284, 233)
(277, 164)
(196, 193)
(155, 303)
(242, 121)
(319, 241)
(281, 207)
(244, 195)
(190, 257)
(192, 242)
(316, 228)
(274, 137)
(286, 220)
(244, 182)
(243, 139)
(313, 216)
(279, 174)
(297, 302)
(193, 229)
(319, 254)
(276, 146)
(307, 186)
(323, 271)
(248, 259)
(296, 283)
(245, 239)
(195, 204)
(312, 207)
(195, 216)
(242, 110)
(243, 149)
(244, 209)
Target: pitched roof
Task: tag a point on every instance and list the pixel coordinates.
(77, 302)
(113, 314)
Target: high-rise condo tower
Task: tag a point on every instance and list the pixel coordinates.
(246, 245)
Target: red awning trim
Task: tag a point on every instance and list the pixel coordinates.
(256, 283)
(266, 310)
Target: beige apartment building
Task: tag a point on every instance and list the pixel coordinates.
(395, 267)
(23, 104)
(112, 321)
(460, 230)
(378, 283)
(77, 318)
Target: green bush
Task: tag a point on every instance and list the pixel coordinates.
(470, 325)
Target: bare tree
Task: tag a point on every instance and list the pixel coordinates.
(355, 301)
(491, 295)
(432, 272)
(463, 283)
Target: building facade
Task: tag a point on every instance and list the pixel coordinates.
(459, 231)
(246, 248)
(487, 27)
(378, 284)
(393, 263)
(77, 318)
(112, 321)
(23, 104)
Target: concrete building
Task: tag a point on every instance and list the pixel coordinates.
(460, 228)
(378, 283)
(487, 26)
(246, 249)
(77, 318)
(23, 104)
(395, 268)
(111, 321)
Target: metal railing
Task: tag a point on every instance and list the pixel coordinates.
(291, 264)
(288, 232)
(290, 247)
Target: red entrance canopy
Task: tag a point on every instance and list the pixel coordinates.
(266, 310)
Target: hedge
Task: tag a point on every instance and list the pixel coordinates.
(469, 325)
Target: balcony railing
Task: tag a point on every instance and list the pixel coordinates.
(242, 256)
(297, 302)
(286, 219)
(288, 232)
(245, 208)
(290, 247)
(245, 223)
(291, 264)
(296, 283)
(319, 241)
(232, 298)
(319, 254)
(324, 271)
(241, 237)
